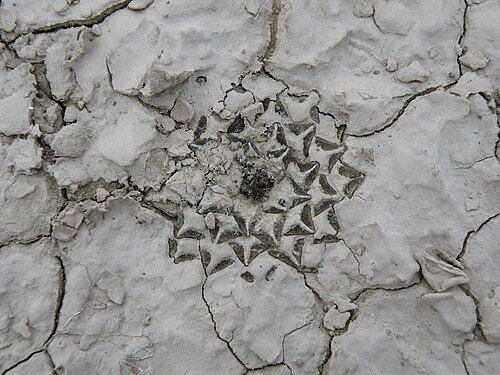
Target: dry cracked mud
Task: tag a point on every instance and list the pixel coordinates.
(266, 187)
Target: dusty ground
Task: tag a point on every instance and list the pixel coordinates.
(249, 187)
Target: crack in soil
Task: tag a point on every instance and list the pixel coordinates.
(60, 297)
(464, 31)
(213, 319)
(464, 245)
(273, 31)
(26, 359)
(402, 110)
(426, 91)
(88, 22)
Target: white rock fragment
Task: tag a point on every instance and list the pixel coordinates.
(334, 319)
(210, 220)
(71, 113)
(63, 233)
(391, 65)
(86, 12)
(24, 155)
(218, 107)
(252, 111)
(66, 224)
(127, 63)
(439, 274)
(139, 4)
(235, 101)
(414, 72)
(96, 30)
(362, 8)
(470, 83)
(167, 124)
(182, 111)
(60, 7)
(472, 202)
(178, 141)
(393, 17)
(101, 194)
(71, 140)
(474, 60)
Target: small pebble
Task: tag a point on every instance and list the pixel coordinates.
(210, 220)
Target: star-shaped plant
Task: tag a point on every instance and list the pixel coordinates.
(272, 174)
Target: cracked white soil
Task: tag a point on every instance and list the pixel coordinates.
(267, 187)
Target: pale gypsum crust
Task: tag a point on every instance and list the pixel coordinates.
(249, 187)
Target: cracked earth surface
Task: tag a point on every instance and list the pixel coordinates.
(266, 187)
